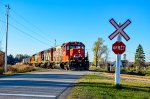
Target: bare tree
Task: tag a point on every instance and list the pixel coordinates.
(106, 56)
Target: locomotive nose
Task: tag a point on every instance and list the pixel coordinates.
(76, 53)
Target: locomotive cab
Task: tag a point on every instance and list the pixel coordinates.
(77, 52)
(77, 59)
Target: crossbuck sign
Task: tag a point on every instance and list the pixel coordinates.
(119, 29)
(119, 47)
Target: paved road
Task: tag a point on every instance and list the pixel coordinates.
(41, 85)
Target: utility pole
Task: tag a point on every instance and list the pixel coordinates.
(7, 15)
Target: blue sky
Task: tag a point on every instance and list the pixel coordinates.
(74, 20)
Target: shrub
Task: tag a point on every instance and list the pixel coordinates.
(21, 68)
(147, 72)
(12, 68)
(1, 70)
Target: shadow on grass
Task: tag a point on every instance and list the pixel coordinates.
(136, 88)
(112, 86)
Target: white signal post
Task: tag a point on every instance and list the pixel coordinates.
(118, 64)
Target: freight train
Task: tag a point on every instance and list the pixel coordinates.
(68, 56)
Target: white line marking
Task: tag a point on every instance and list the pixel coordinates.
(28, 95)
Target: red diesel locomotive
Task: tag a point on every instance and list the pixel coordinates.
(69, 56)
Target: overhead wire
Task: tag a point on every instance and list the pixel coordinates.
(1, 32)
(33, 25)
(27, 28)
(25, 33)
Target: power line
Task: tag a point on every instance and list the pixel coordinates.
(29, 29)
(26, 33)
(31, 24)
(26, 27)
(2, 33)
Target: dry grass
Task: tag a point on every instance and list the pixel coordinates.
(98, 68)
(9, 73)
(127, 76)
(21, 68)
(92, 68)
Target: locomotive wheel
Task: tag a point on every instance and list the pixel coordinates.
(53, 66)
(33, 65)
(62, 66)
(48, 65)
(41, 65)
(66, 67)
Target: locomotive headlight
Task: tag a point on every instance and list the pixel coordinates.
(79, 51)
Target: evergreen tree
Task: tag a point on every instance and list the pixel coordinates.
(10, 59)
(139, 57)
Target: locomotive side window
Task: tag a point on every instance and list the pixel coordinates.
(67, 48)
(82, 47)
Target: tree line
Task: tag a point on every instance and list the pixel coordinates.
(15, 59)
(101, 54)
(138, 66)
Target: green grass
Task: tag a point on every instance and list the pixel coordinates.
(98, 87)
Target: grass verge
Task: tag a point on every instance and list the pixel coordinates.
(98, 87)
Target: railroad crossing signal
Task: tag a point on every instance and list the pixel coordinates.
(118, 47)
(119, 29)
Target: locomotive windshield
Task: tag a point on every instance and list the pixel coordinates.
(75, 46)
(72, 46)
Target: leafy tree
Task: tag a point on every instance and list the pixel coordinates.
(139, 57)
(106, 57)
(98, 49)
(10, 59)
